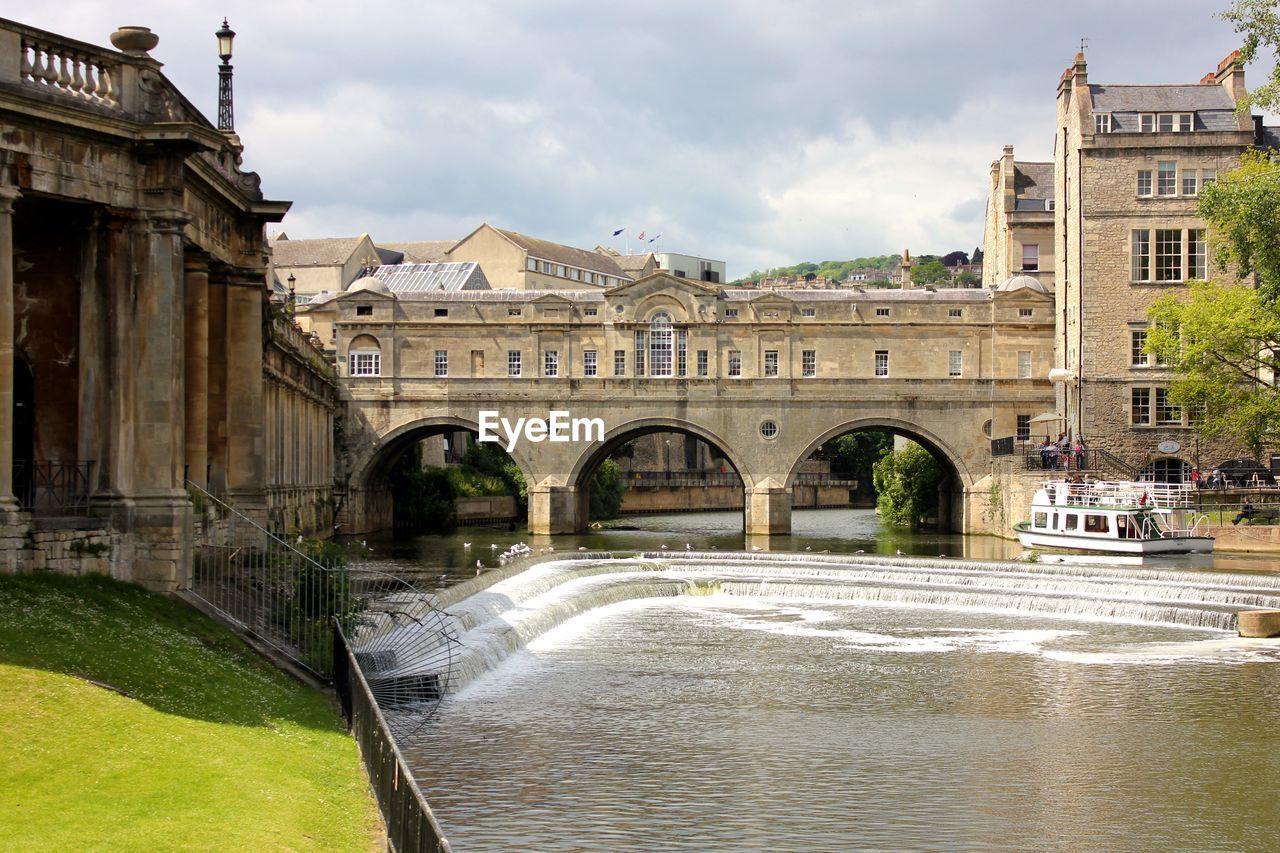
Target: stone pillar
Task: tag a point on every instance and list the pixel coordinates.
(246, 457)
(767, 509)
(8, 503)
(555, 509)
(216, 384)
(196, 299)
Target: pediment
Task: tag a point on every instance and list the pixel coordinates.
(661, 282)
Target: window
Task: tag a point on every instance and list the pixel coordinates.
(660, 345)
(551, 363)
(1168, 254)
(589, 362)
(1140, 406)
(548, 267)
(513, 362)
(1137, 348)
(682, 352)
(1167, 178)
(1144, 182)
(1189, 186)
(561, 271)
(1140, 267)
(1174, 122)
(1031, 257)
(1197, 254)
(575, 274)
(531, 265)
(771, 362)
(809, 362)
(955, 363)
(1024, 364)
(1167, 413)
(882, 362)
(808, 312)
(955, 312)
(477, 362)
(589, 277)
(1147, 123)
(1026, 312)
(1040, 519)
(1102, 123)
(442, 362)
(514, 312)
(882, 312)
(640, 345)
(589, 312)
(441, 312)
(735, 363)
(1024, 428)
(619, 362)
(364, 310)
(703, 364)
(1071, 522)
(366, 362)
(1095, 523)
(731, 312)
(1207, 176)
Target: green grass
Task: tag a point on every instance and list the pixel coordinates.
(213, 749)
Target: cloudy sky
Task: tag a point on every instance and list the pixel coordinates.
(755, 131)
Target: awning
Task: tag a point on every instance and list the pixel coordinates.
(1047, 417)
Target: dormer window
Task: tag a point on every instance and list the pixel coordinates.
(1102, 123)
(1166, 122)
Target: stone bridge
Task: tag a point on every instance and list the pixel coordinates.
(765, 377)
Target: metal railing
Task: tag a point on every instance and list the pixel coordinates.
(410, 825)
(53, 487)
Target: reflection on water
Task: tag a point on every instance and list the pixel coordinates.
(722, 723)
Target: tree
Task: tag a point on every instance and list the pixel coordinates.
(1259, 21)
(856, 454)
(1223, 342)
(1243, 212)
(606, 490)
(930, 272)
(907, 485)
(953, 259)
(967, 279)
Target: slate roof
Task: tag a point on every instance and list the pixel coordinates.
(1269, 138)
(1210, 103)
(1033, 181)
(556, 253)
(876, 294)
(404, 279)
(324, 252)
(505, 294)
(423, 251)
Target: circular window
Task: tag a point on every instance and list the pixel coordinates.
(769, 429)
(618, 309)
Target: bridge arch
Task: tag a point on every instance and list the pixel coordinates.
(590, 458)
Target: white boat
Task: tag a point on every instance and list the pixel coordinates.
(1115, 517)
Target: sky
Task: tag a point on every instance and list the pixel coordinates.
(756, 132)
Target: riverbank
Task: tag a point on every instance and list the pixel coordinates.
(133, 722)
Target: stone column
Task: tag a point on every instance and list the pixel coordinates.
(246, 457)
(8, 503)
(196, 373)
(216, 384)
(767, 509)
(554, 509)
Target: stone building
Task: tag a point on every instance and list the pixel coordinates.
(1130, 162)
(135, 352)
(1018, 237)
(512, 260)
(322, 265)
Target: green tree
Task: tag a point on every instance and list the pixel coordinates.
(1243, 212)
(856, 454)
(930, 272)
(907, 486)
(1259, 21)
(967, 279)
(1222, 341)
(606, 490)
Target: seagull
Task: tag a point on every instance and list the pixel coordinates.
(479, 566)
(582, 547)
(664, 546)
(899, 552)
(688, 547)
(756, 548)
(859, 551)
(808, 547)
(364, 544)
(828, 551)
(466, 546)
(299, 538)
(493, 547)
(942, 556)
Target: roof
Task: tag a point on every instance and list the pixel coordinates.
(1269, 138)
(852, 294)
(323, 252)
(506, 294)
(369, 284)
(423, 251)
(567, 255)
(1020, 282)
(1186, 98)
(1033, 181)
(405, 279)
(634, 263)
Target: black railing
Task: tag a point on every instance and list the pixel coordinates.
(1036, 459)
(62, 488)
(410, 825)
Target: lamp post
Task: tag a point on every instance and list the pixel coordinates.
(226, 119)
(293, 293)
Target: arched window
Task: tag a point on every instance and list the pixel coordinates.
(364, 357)
(1166, 470)
(660, 345)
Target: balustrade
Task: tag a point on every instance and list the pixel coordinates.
(71, 72)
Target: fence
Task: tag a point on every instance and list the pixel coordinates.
(53, 487)
(410, 825)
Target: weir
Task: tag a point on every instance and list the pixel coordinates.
(492, 624)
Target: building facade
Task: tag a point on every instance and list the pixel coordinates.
(1018, 236)
(520, 262)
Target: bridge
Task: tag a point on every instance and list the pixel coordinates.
(765, 377)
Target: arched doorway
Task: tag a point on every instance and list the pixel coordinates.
(24, 431)
(1166, 470)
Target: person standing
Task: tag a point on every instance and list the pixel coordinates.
(1195, 479)
(1080, 451)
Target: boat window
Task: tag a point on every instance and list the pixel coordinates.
(1122, 527)
(1041, 519)
(1073, 521)
(1055, 521)
(1096, 524)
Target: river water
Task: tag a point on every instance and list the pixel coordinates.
(804, 705)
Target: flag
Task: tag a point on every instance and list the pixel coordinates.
(619, 231)
(641, 237)
(654, 237)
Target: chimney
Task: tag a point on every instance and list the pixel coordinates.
(1230, 75)
(906, 269)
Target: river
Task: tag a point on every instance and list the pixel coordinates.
(783, 709)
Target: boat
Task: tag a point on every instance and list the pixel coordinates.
(1115, 517)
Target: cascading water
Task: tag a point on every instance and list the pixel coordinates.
(492, 624)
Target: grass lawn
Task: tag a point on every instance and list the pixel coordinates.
(212, 748)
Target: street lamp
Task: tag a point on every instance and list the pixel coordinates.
(293, 292)
(226, 120)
